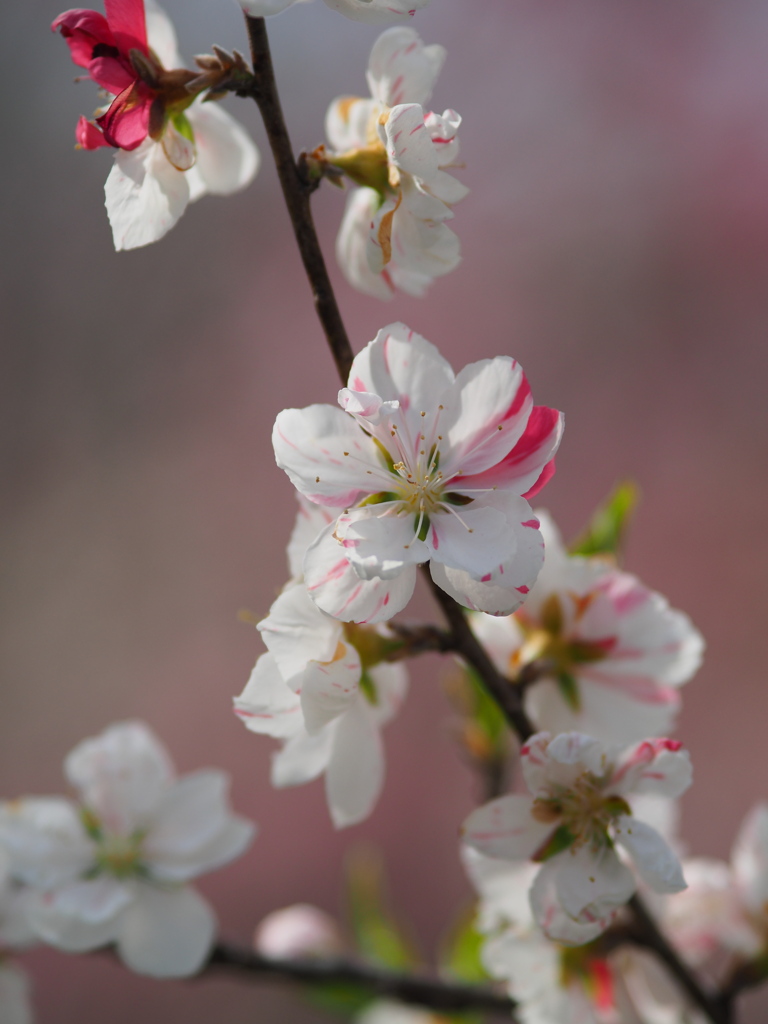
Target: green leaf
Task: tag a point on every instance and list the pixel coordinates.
(569, 690)
(485, 711)
(461, 951)
(605, 533)
(183, 127)
(560, 840)
(380, 937)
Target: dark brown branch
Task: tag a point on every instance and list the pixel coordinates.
(648, 934)
(466, 644)
(414, 989)
(296, 192)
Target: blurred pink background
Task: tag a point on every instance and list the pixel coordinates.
(615, 241)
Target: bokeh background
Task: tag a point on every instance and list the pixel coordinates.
(615, 241)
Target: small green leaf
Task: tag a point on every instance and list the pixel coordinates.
(379, 935)
(424, 529)
(461, 951)
(605, 533)
(368, 687)
(569, 690)
(378, 498)
(486, 712)
(183, 127)
(560, 840)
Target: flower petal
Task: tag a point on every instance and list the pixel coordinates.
(45, 841)
(379, 541)
(302, 758)
(145, 196)
(657, 767)
(185, 838)
(329, 689)
(399, 365)
(128, 24)
(750, 859)
(352, 245)
(348, 122)
(268, 705)
(401, 69)
(166, 933)
(121, 774)
(82, 915)
(297, 632)
(486, 415)
(553, 920)
(355, 773)
(591, 884)
(654, 860)
(506, 828)
(227, 159)
(407, 141)
(310, 445)
(529, 465)
(336, 588)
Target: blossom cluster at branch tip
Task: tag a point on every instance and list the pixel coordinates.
(394, 233)
(613, 654)
(324, 690)
(421, 465)
(113, 867)
(577, 813)
(171, 147)
(374, 12)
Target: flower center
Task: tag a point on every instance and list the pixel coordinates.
(116, 855)
(581, 812)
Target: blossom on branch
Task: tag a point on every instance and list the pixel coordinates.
(553, 983)
(324, 689)
(420, 465)
(374, 12)
(613, 652)
(113, 867)
(394, 232)
(171, 147)
(577, 814)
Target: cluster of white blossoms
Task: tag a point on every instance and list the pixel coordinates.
(325, 690)
(394, 233)
(113, 867)
(414, 467)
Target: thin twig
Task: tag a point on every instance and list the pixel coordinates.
(466, 644)
(435, 994)
(296, 192)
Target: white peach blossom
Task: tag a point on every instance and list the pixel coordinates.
(577, 813)
(616, 652)
(316, 691)
(394, 232)
(114, 867)
(421, 465)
